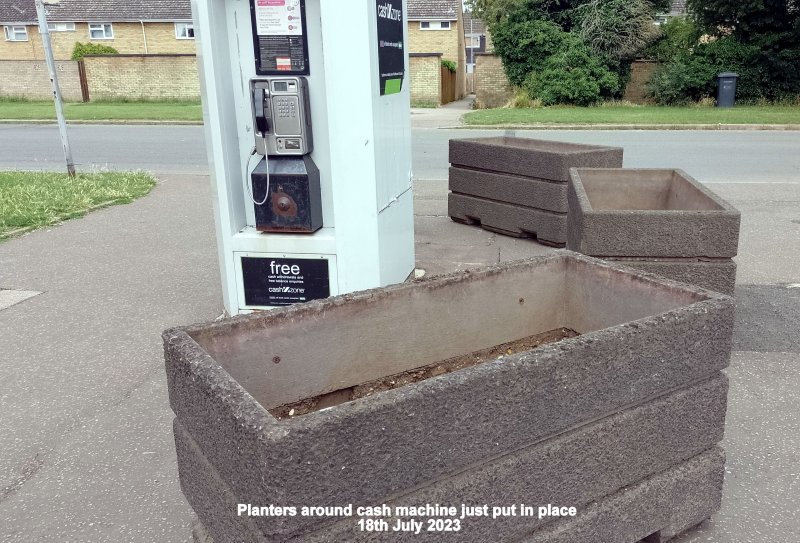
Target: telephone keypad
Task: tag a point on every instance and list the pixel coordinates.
(286, 107)
(287, 116)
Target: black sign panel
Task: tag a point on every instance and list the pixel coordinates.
(284, 281)
(279, 37)
(391, 49)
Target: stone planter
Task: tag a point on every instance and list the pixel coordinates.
(622, 422)
(518, 186)
(661, 221)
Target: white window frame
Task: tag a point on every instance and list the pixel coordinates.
(182, 31)
(435, 25)
(107, 28)
(473, 41)
(12, 31)
(61, 27)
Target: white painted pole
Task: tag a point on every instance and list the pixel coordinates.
(51, 66)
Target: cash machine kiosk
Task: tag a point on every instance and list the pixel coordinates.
(307, 115)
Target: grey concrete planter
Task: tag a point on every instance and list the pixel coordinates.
(629, 412)
(661, 221)
(518, 186)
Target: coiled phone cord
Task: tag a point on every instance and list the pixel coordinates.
(248, 184)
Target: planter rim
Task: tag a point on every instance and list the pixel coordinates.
(251, 413)
(584, 202)
(570, 147)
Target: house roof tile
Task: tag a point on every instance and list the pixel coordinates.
(473, 25)
(434, 9)
(24, 11)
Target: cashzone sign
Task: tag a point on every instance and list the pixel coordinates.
(391, 49)
(284, 281)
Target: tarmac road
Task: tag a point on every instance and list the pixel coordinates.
(710, 156)
(86, 451)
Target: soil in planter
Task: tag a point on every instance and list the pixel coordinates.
(450, 365)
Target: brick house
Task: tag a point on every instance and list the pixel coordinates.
(141, 27)
(436, 27)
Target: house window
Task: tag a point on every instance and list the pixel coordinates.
(16, 33)
(184, 31)
(61, 27)
(474, 41)
(101, 31)
(434, 25)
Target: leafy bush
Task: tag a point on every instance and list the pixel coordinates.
(691, 77)
(524, 46)
(678, 36)
(449, 64)
(83, 49)
(572, 76)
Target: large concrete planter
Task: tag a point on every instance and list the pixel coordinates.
(518, 186)
(661, 221)
(623, 422)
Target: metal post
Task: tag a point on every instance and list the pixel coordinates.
(51, 66)
(472, 50)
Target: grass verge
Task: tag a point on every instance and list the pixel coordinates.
(30, 200)
(103, 111)
(636, 115)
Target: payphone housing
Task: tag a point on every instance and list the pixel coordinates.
(281, 116)
(286, 191)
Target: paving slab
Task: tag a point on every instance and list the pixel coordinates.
(430, 197)
(110, 479)
(442, 230)
(769, 235)
(767, 318)
(762, 445)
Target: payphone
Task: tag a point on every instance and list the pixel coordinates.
(285, 184)
(281, 116)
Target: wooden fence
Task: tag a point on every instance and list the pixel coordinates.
(448, 86)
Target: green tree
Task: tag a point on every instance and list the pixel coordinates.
(619, 29)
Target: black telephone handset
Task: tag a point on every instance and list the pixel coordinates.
(261, 103)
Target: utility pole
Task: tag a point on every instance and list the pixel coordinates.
(51, 66)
